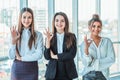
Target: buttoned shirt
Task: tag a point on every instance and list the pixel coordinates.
(33, 54)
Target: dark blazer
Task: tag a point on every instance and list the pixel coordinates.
(67, 57)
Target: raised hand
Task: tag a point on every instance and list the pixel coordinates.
(49, 36)
(15, 35)
(87, 44)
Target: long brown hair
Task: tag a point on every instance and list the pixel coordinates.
(69, 39)
(21, 26)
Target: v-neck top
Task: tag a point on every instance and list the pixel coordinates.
(100, 58)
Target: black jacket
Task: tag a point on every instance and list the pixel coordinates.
(67, 57)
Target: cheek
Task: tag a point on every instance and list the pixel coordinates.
(91, 29)
(100, 29)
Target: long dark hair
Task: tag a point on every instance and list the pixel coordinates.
(20, 27)
(69, 36)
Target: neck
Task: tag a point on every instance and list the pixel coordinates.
(95, 37)
(60, 32)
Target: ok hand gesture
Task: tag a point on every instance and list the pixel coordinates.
(49, 36)
(15, 35)
(87, 44)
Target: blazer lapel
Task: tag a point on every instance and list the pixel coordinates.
(64, 45)
(55, 44)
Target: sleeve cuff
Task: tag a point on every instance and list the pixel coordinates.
(13, 46)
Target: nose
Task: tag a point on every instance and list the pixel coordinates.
(26, 19)
(59, 22)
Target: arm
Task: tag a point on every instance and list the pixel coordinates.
(12, 51)
(14, 38)
(104, 63)
(37, 53)
(109, 60)
(49, 36)
(47, 53)
(86, 59)
(70, 53)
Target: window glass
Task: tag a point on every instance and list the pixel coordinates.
(66, 7)
(8, 17)
(109, 16)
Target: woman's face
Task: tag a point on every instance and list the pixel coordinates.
(59, 23)
(26, 19)
(95, 28)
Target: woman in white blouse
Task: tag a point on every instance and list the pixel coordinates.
(97, 53)
(26, 48)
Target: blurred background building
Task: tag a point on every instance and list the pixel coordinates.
(78, 12)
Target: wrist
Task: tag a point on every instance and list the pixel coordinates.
(13, 42)
(55, 56)
(86, 51)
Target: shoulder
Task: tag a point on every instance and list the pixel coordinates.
(106, 40)
(38, 34)
(70, 35)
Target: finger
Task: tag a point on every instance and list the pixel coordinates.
(51, 35)
(44, 33)
(15, 28)
(10, 29)
(85, 38)
(18, 35)
(48, 29)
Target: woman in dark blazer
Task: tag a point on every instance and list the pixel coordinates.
(60, 50)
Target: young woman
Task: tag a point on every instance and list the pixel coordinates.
(60, 50)
(97, 53)
(26, 49)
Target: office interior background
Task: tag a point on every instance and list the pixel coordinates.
(78, 12)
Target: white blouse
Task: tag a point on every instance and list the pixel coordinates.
(33, 54)
(100, 58)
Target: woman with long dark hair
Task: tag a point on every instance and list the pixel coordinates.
(26, 48)
(60, 50)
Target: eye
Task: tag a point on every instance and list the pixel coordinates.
(29, 17)
(56, 20)
(62, 20)
(93, 26)
(24, 17)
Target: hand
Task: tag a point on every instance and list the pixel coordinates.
(52, 55)
(18, 56)
(87, 44)
(15, 34)
(49, 36)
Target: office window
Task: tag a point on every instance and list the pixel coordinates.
(86, 8)
(8, 17)
(109, 16)
(40, 9)
(66, 7)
